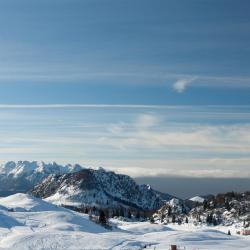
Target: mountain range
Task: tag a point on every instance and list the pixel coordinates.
(100, 188)
(21, 176)
(73, 185)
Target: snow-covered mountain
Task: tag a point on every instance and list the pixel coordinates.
(198, 199)
(98, 188)
(223, 209)
(23, 175)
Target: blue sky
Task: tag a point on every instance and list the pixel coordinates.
(163, 72)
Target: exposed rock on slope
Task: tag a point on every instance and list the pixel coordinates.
(98, 188)
(224, 209)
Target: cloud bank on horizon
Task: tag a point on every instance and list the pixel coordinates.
(195, 141)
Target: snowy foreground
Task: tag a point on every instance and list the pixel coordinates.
(30, 223)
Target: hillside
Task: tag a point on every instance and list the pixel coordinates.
(223, 209)
(98, 188)
(30, 223)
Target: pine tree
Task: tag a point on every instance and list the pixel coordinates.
(138, 216)
(209, 219)
(186, 219)
(199, 218)
(205, 205)
(152, 220)
(183, 210)
(227, 206)
(102, 218)
(129, 214)
(215, 222)
(162, 216)
(121, 212)
(169, 211)
(93, 210)
(116, 213)
(173, 218)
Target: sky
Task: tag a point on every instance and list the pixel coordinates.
(142, 87)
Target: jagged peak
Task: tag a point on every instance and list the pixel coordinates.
(99, 187)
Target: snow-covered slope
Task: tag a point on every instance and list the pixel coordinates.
(39, 225)
(23, 175)
(98, 188)
(25, 202)
(222, 209)
(197, 199)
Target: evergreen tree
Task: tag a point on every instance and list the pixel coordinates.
(93, 210)
(121, 212)
(183, 210)
(205, 205)
(169, 211)
(186, 219)
(239, 212)
(214, 204)
(129, 214)
(209, 219)
(138, 216)
(227, 206)
(116, 213)
(162, 216)
(173, 219)
(152, 220)
(199, 218)
(102, 218)
(215, 222)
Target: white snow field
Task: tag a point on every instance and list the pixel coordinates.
(30, 223)
(197, 199)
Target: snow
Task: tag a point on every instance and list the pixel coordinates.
(23, 175)
(36, 224)
(197, 199)
(174, 202)
(24, 202)
(98, 188)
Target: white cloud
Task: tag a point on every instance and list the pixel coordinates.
(200, 168)
(194, 139)
(181, 84)
(147, 120)
(169, 141)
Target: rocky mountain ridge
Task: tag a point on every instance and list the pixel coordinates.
(222, 209)
(21, 176)
(99, 188)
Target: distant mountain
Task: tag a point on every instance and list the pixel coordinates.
(99, 188)
(198, 199)
(23, 175)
